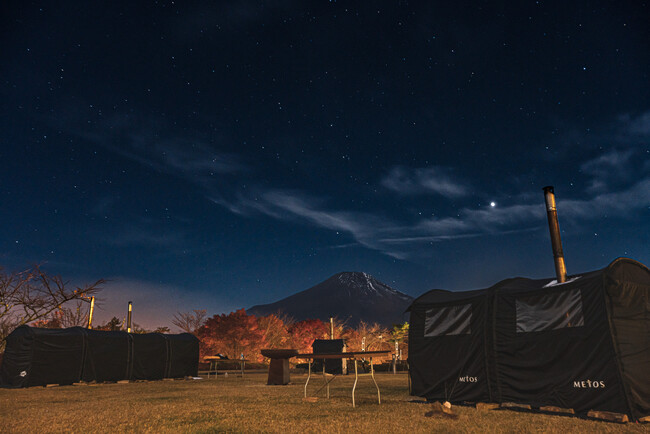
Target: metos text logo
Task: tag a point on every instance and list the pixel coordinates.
(468, 379)
(589, 384)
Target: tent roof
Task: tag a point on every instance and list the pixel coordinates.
(619, 269)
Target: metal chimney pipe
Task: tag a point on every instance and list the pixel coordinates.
(128, 319)
(90, 313)
(554, 228)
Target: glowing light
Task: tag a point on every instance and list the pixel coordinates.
(493, 204)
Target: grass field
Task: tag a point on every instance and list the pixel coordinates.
(248, 405)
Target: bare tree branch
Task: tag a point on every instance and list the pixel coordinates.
(33, 294)
(189, 322)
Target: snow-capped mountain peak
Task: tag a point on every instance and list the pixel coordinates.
(356, 296)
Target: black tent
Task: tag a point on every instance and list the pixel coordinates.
(150, 356)
(183, 355)
(583, 344)
(36, 357)
(107, 356)
(32, 360)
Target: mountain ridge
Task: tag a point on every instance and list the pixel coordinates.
(351, 296)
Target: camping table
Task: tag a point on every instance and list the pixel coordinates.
(214, 364)
(353, 355)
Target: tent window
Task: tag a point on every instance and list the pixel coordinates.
(448, 320)
(549, 311)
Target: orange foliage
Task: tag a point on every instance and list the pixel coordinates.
(303, 334)
(238, 332)
(232, 335)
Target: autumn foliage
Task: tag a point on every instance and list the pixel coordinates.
(239, 333)
(231, 335)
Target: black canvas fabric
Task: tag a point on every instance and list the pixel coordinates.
(36, 357)
(628, 287)
(17, 358)
(150, 356)
(460, 372)
(183, 350)
(569, 367)
(108, 356)
(583, 344)
(332, 366)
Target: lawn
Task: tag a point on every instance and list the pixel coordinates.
(247, 404)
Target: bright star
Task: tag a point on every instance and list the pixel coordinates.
(493, 204)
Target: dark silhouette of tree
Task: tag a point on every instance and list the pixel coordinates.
(189, 322)
(33, 295)
(114, 325)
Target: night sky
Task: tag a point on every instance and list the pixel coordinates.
(217, 155)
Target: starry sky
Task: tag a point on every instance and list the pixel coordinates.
(216, 155)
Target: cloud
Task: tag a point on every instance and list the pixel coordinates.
(490, 220)
(619, 203)
(424, 180)
(398, 240)
(639, 125)
(304, 208)
(441, 238)
(150, 143)
(221, 175)
(607, 168)
(310, 210)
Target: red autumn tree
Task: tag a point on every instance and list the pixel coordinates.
(351, 339)
(303, 334)
(232, 335)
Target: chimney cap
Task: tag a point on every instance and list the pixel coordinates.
(548, 189)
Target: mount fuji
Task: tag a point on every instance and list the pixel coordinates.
(350, 296)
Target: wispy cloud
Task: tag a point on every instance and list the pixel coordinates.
(510, 219)
(436, 180)
(394, 238)
(304, 208)
(636, 125)
(618, 203)
(220, 176)
(149, 143)
(609, 167)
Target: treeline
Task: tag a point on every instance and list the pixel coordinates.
(240, 333)
(64, 318)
